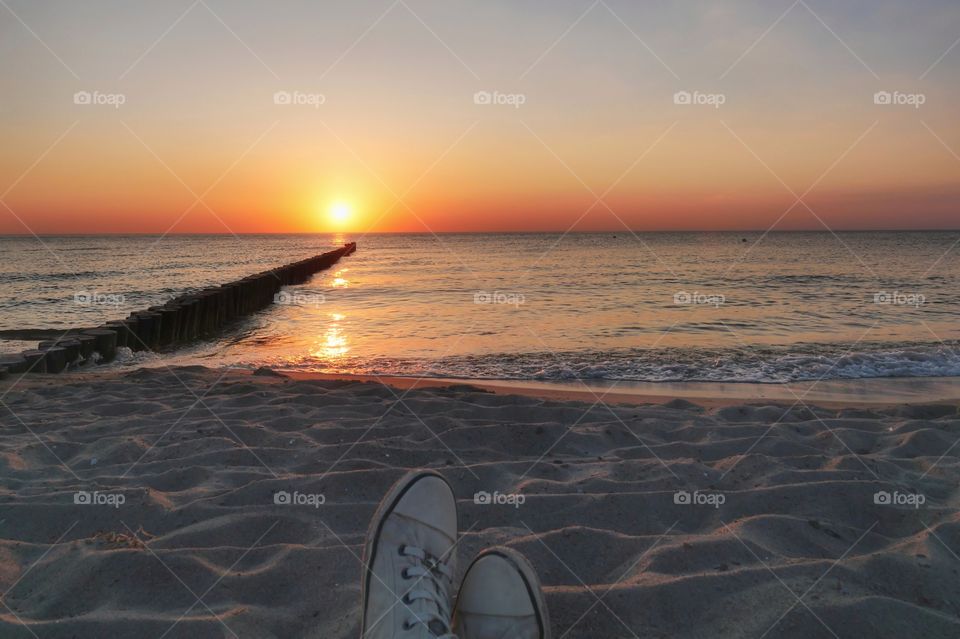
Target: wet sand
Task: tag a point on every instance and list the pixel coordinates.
(834, 393)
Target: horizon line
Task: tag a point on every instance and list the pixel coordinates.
(540, 232)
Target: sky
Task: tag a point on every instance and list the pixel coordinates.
(232, 116)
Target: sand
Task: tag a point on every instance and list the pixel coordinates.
(784, 538)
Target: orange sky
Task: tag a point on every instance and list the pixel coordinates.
(377, 110)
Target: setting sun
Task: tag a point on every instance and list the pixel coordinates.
(340, 212)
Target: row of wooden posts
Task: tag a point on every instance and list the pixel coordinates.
(179, 321)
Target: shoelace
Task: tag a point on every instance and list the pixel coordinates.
(432, 571)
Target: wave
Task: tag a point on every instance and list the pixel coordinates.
(766, 365)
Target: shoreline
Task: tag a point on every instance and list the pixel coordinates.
(890, 391)
(834, 393)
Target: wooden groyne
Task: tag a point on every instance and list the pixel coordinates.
(162, 328)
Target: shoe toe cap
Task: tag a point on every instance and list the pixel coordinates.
(430, 501)
(495, 587)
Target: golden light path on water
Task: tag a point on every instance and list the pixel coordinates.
(333, 344)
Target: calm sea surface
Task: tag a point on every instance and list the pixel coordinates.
(655, 307)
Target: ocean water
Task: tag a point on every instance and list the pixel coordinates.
(618, 306)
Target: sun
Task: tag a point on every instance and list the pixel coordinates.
(340, 212)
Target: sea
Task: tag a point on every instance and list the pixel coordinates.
(652, 307)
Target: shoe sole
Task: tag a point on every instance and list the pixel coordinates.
(387, 504)
(530, 580)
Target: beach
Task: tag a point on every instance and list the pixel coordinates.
(203, 502)
(665, 291)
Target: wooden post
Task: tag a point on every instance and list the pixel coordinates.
(55, 358)
(70, 346)
(35, 361)
(88, 345)
(152, 329)
(192, 323)
(123, 335)
(14, 363)
(145, 326)
(168, 325)
(134, 339)
(106, 342)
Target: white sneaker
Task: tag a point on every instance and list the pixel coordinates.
(408, 561)
(501, 598)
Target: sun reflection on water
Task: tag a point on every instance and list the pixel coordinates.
(334, 343)
(339, 281)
